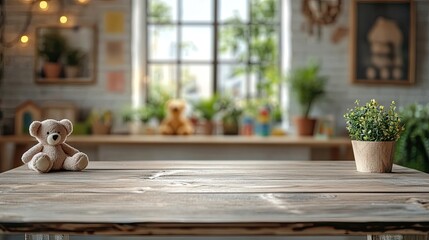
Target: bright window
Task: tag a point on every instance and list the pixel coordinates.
(198, 47)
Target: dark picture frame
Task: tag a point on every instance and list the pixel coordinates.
(383, 42)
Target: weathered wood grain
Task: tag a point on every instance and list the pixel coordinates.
(398, 237)
(250, 176)
(46, 237)
(215, 198)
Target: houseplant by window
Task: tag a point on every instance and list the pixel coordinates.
(73, 59)
(231, 114)
(373, 131)
(136, 118)
(145, 119)
(51, 47)
(307, 86)
(412, 148)
(207, 108)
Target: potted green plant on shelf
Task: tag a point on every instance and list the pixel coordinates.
(140, 119)
(73, 59)
(207, 108)
(135, 118)
(101, 122)
(412, 148)
(231, 116)
(307, 85)
(373, 131)
(51, 48)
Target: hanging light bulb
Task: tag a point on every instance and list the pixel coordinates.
(82, 1)
(63, 19)
(24, 39)
(43, 5)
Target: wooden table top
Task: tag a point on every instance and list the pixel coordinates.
(215, 198)
(194, 139)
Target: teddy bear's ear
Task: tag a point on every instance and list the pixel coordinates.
(68, 125)
(34, 127)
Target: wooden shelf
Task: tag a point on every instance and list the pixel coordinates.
(195, 139)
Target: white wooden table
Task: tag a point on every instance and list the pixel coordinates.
(216, 198)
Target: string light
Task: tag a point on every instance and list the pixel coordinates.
(43, 5)
(82, 1)
(24, 39)
(63, 19)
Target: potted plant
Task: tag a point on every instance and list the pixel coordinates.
(231, 116)
(101, 122)
(307, 86)
(207, 109)
(51, 48)
(73, 59)
(373, 131)
(134, 118)
(412, 148)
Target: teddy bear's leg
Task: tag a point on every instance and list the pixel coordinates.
(166, 130)
(40, 163)
(77, 162)
(184, 130)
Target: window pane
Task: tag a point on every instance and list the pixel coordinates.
(253, 84)
(264, 11)
(163, 76)
(233, 10)
(162, 42)
(233, 42)
(196, 81)
(197, 43)
(264, 43)
(232, 80)
(197, 11)
(162, 11)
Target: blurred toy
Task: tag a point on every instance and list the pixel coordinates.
(175, 123)
(52, 153)
(264, 122)
(247, 125)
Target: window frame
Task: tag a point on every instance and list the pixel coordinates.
(215, 62)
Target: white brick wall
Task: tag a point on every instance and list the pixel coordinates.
(18, 83)
(335, 61)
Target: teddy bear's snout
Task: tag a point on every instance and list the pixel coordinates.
(54, 139)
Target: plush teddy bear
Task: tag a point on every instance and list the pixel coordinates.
(175, 123)
(52, 153)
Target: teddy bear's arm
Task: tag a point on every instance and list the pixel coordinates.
(69, 150)
(29, 154)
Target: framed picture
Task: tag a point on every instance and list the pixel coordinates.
(65, 55)
(383, 44)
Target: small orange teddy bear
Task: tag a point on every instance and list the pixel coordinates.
(176, 123)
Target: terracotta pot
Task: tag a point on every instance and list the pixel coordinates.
(100, 129)
(304, 126)
(374, 157)
(208, 128)
(72, 71)
(52, 70)
(230, 126)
